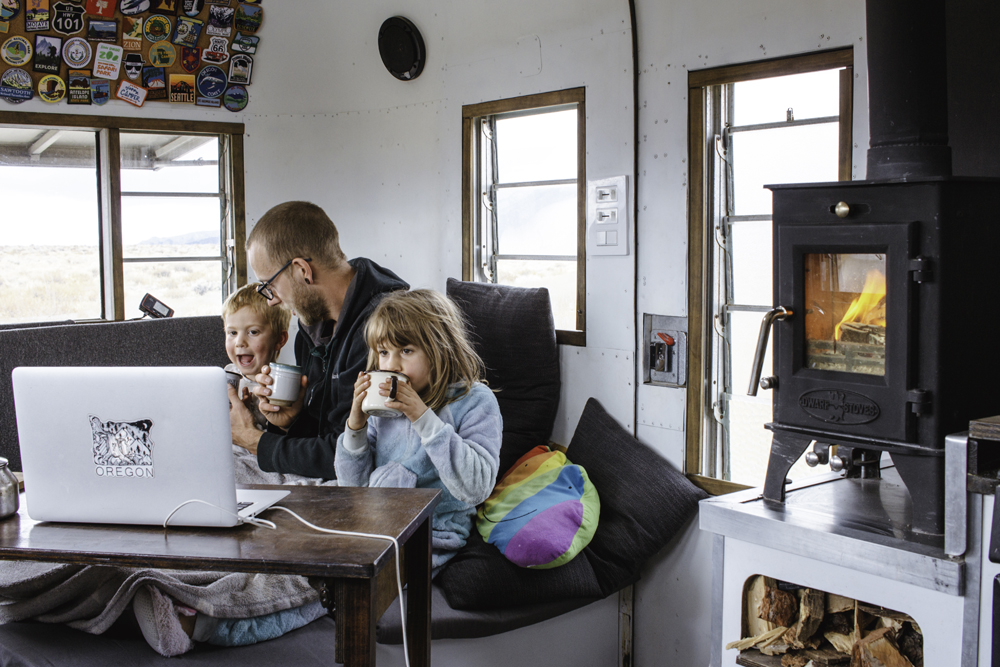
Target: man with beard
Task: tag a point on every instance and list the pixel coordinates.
(296, 247)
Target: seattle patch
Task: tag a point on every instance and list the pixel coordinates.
(182, 88)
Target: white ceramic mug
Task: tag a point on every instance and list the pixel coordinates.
(374, 402)
(287, 384)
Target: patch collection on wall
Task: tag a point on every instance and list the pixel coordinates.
(90, 51)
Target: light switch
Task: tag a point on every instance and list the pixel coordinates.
(607, 208)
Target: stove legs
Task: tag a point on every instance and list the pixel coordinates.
(785, 451)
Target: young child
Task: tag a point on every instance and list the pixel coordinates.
(255, 333)
(450, 433)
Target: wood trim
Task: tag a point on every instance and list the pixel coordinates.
(468, 196)
(238, 194)
(846, 132)
(568, 96)
(119, 122)
(763, 69)
(577, 338)
(581, 218)
(111, 200)
(716, 487)
(697, 214)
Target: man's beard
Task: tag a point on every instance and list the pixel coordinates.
(309, 306)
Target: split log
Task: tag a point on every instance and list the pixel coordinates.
(812, 606)
(878, 649)
(836, 604)
(792, 660)
(755, 625)
(762, 639)
(779, 607)
(841, 642)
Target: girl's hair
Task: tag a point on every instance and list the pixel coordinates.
(432, 322)
(248, 297)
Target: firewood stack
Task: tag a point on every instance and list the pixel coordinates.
(793, 626)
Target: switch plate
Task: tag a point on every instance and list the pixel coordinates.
(607, 216)
(664, 364)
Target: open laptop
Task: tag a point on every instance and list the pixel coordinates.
(130, 445)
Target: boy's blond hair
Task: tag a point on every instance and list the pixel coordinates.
(247, 297)
(432, 322)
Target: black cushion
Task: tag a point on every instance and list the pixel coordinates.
(513, 331)
(645, 501)
(175, 341)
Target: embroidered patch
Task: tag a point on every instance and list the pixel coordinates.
(51, 88)
(108, 61)
(182, 88)
(131, 93)
(157, 28)
(245, 43)
(37, 16)
(78, 87)
(16, 51)
(67, 18)
(48, 54)
(187, 31)
(15, 86)
(162, 54)
(132, 7)
(240, 69)
(100, 91)
(249, 18)
(133, 64)
(77, 52)
(211, 81)
(220, 21)
(217, 51)
(102, 31)
(235, 98)
(132, 33)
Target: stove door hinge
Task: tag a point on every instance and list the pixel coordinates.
(919, 400)
(920, 270)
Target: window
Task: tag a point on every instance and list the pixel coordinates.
(524, 201)
(99, 211)
(780, 121)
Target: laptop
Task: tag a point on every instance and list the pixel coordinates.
(130, 446)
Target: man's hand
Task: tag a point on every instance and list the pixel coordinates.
(281, 416)
(358, 418)
(245, 433)
(407, 400)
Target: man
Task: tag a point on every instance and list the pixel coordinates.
(295, 250)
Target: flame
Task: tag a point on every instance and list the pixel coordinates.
(869, 307)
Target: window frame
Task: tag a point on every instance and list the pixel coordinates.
(109, 130)
(700, 223)
(472, 115)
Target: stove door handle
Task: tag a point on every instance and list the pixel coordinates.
(779, 313)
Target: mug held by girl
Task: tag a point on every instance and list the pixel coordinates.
(374, 402)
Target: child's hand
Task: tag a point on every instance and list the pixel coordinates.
(358, 419)
(407, 400)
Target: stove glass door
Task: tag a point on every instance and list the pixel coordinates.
(845, 312)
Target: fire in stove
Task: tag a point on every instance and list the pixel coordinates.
(845, 312)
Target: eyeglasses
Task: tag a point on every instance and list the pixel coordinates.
(264, 289)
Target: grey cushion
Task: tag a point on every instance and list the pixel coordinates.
(645, 502)
(181, 341)
(513, 331)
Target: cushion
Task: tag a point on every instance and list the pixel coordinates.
(542, 512)
(512, 330)
(645, 501)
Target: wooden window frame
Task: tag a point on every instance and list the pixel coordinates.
(699, 239)
(109, 130)
(470, 197)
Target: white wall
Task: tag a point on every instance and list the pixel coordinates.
(673, 600)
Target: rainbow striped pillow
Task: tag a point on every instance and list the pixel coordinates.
(542, 512)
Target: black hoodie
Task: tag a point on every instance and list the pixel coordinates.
(309, 446)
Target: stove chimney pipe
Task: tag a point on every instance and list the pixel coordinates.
(907, 89)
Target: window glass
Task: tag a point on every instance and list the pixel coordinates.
(191, 288)
(810, 95)
(537, 220)
(537, 147)
(751, 258)
(177, 224)
(169, 163)
(50, 251)
(797, 154)
(558, 277)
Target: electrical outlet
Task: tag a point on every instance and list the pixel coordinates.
(665, 350)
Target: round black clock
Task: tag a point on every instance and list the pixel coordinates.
(401, 48)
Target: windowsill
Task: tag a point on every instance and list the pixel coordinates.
(576, 338)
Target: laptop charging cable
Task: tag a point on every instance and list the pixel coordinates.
(264, 523)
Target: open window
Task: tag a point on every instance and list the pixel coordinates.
(99, 211)
(524, 201)
(779, 121)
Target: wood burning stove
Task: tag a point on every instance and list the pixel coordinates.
(885, 326)
(885, 312)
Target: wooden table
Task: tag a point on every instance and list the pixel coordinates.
(357, 573)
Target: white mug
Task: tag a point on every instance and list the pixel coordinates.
(374, 402)
(286, 385)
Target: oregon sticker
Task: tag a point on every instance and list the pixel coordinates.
(122, 449)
